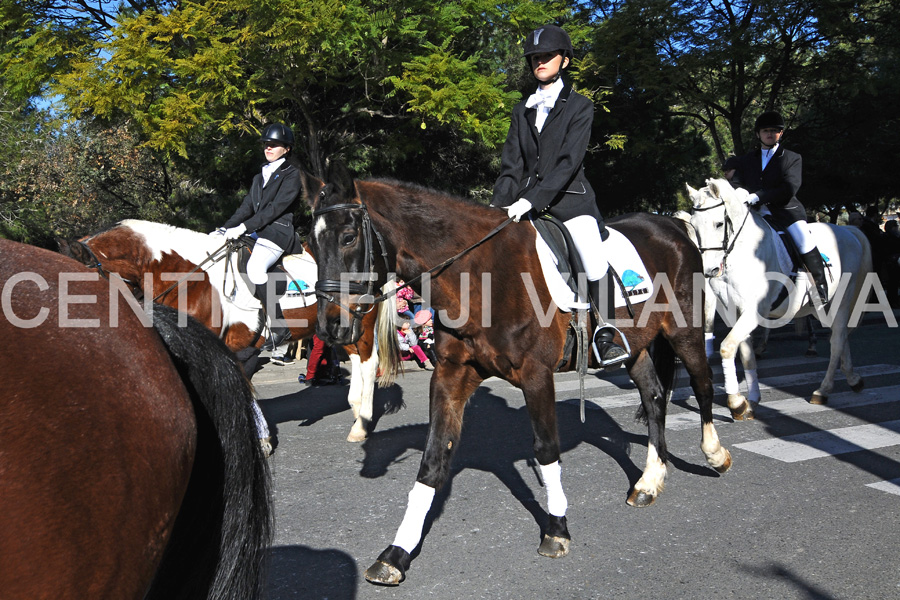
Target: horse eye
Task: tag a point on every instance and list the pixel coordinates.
(348, 238)
(322, 194)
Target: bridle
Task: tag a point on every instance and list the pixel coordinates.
(725, 247)
(325, 288)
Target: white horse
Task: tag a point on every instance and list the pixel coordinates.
(741, 263)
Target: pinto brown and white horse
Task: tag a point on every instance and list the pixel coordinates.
(130, 467)
(154, 257)
(357, 232)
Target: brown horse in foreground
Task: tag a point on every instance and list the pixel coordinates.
(489, 324)
(129, 466)
(154, 257)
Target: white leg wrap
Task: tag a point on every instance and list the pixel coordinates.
(556, 498)
(410, 532)
(710, 338)
(752, 385)
(730, 373)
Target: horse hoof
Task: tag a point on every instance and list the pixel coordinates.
(818, 398)
(554, 546)
(743, 411)
(266, 445)
(723, 468)
(858, 387)
(640, 499)
(382, 573)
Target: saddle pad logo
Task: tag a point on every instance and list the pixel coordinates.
(630, 280)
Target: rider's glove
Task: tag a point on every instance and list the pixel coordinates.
(217, 232)
(752, 199)
(232, 233)
(518, 208)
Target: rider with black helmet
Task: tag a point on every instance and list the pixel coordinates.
(773, 175)
(267, 214)
(542, 168)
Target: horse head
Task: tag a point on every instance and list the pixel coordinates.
(342, 242)
(717, 208)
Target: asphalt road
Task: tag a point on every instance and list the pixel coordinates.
(808, 511)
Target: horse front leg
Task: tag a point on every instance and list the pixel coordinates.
(653, 403)
(540, 399)
(362, 395)
(739, 334)
(451, 386)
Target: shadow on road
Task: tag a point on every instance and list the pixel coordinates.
(303, 572)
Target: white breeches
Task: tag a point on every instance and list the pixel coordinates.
(586, 235)
(264, 255)
(799, 230)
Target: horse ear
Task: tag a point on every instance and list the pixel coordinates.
(713, 186)
(339, 176)
(311, 187)
(694, 195)
(74, 250)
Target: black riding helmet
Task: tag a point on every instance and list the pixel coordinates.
(769, 119)
(276, 132)
(548, 38)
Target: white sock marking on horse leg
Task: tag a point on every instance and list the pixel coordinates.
(654, 477)
(752, 380)
(410, 532)
(556, 498)
(712, 447)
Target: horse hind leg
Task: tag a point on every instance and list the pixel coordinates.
(653, 405)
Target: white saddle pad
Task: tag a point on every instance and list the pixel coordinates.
(623, 257)
(303, 270)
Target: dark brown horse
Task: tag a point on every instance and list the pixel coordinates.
(191, 271)
(130, 465)
(487, 326)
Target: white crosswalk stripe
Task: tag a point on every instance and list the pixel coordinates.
(617, 391)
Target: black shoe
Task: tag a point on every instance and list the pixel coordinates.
(279, 336)
(608, 353)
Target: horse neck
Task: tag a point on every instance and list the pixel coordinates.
(422, 228)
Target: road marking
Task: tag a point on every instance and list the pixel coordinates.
(891, 486)
(816, 444)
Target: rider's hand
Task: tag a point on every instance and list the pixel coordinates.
(232, 233)
(752, 199)
(217, 232)
(518, 208)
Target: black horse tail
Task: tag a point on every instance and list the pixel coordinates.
(223, 530)
(663, 356)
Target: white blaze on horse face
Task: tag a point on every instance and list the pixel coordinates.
(319, 227)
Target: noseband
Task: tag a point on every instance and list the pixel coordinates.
(365, 287)
(725, 246)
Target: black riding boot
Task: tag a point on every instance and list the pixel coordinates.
(277, 327)
(608, 353)
(813, 261)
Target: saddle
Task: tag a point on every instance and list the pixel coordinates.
(296, 287)
(791, 261)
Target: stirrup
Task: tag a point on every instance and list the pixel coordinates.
(608, 354)
(277, 336)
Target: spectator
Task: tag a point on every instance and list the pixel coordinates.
(318, 364)
(425, 321)
(409, 346)
(404, 295)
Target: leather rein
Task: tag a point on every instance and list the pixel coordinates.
(325, 288)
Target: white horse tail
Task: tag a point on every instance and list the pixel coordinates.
(386, 337)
